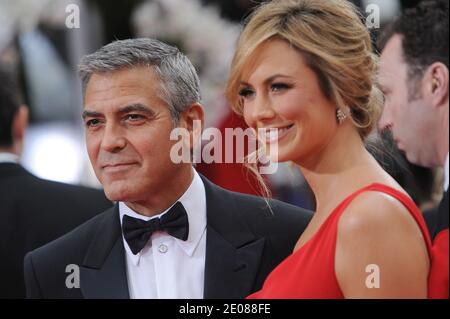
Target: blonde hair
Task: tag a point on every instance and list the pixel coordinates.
(336, 45)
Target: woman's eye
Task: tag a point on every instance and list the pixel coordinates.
(245, 92)
(276, 87)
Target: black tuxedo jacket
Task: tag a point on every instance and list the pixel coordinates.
(244, 242)
(438, 220)
(34, 212)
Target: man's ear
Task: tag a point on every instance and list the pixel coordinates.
(437, 83)
(20, 124)
(193, 113)
(193, 119)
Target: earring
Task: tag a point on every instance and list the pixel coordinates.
(340, 115)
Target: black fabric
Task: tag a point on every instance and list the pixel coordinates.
(443, 214)
(442, 217)
(34, 212)
(244, 242)
(137, 232)
(437, 219)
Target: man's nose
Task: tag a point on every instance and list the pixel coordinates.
(113, 139)
(385, 122)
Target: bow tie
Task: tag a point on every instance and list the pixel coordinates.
(137, 232)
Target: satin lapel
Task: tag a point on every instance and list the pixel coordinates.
(103, 274)
(233, 253)
(230, 272)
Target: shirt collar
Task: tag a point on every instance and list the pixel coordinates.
(8, 158)
(446, 174)
(194, 202)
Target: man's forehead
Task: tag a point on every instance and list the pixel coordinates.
(392, 52)
(137, 75)
(122, 85)
(392, 63)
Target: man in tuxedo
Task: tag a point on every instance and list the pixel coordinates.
(414, 76)
(172, 233)
(33, 211)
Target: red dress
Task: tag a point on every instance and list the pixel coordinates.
(438, 280)
(309, 273)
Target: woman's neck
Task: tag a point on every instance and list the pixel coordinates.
(334, 172)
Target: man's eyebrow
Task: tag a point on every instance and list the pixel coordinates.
(137, 107)
(88, 113)
(268, 80)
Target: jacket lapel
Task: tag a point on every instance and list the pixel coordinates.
(103, 273)
(233, 253)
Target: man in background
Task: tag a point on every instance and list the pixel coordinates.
(414, 76)
(33, 211)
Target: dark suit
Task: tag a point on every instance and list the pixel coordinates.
(34, 212)
(244, 242)
(441, 219)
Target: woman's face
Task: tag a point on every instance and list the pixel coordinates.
(279, 91)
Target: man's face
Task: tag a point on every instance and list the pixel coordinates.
(127, 134)
(405, 111)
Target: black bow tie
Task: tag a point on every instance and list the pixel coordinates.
(137, 231)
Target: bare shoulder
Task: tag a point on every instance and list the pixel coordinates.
(377, 230)
(373, 211)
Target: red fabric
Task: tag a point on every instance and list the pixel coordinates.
(438, 280)
(309, 272)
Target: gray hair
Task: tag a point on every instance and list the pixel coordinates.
(179, 84)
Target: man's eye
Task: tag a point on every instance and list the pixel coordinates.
(276, 87)
(92, 122)
(134, 117)
(246, 92)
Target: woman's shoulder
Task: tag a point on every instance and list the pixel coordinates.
(378, 228)
(376, 207)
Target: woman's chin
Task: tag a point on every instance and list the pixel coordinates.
(280, 155)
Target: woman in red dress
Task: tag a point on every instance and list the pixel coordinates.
(306, 68)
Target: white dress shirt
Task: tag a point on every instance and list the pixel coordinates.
(8, 158)
(446, 174)
(167, 267)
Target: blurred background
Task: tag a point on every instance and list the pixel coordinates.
(43, 50)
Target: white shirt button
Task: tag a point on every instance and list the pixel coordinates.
(163, 248)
